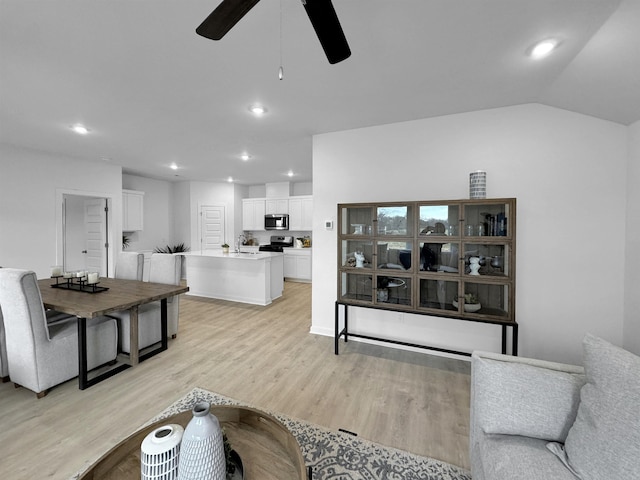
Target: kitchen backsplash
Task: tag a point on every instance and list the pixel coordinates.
(264, 238)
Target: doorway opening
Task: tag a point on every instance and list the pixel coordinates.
(84, 234)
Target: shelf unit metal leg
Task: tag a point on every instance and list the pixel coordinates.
(345, 332)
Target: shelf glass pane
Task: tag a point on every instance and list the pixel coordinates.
(357, 221)
(438, 294)
(493, 259)
(489, 220)
(439, 220)
(393, 290)
(395, 220)
(439, 257)
(355, 286)
(394, 255)
(492, 299)
(352, 249)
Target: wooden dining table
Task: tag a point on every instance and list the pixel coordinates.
(114, 295)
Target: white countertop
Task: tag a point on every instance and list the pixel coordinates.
(243, 255)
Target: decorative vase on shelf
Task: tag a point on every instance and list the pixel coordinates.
(202, 449)
(474, 265)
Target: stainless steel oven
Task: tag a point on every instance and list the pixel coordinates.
(277, 244)
(276, 221)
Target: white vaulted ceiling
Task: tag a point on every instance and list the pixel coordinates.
(152, 92)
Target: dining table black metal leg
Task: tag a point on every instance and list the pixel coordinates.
(84, 381)
(164, 343)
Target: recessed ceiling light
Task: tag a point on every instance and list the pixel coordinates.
(173, 166)
(257, 109)
(290, 173)
(245, 156)
(80, 129)
(230, 179)
(544, 48)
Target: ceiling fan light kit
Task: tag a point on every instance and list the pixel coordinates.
(321, 13)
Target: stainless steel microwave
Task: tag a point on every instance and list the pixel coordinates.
(276, 221)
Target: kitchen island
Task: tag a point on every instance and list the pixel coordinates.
(248, 277)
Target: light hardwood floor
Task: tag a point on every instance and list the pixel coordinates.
(264, 356)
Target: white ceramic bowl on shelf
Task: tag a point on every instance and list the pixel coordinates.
(468, 307)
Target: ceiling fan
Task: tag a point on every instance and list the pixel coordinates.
(321, 13)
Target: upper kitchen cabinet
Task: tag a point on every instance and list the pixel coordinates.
(253, 211)
(277, 205)
(132, 210)
(301, 213)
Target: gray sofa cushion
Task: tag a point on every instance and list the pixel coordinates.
(511, 457)
(532, 400)
(604, 441)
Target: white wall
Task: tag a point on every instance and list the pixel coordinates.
(182, 213)
(632, 276)
(30, 183)
(158, 213)
(302, 188)
(568, 173)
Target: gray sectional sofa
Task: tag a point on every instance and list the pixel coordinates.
(532, 419)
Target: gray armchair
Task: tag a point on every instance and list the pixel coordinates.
(163, 268)
(129, 266)
(42, 355)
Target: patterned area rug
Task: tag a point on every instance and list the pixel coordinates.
(336, 455)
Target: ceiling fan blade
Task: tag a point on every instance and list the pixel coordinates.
(327, 26)
(224, 17)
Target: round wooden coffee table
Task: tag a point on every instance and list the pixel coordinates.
(267, 449)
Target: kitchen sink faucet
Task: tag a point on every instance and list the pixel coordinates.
(240, 241)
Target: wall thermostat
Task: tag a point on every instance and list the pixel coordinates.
(328, 225)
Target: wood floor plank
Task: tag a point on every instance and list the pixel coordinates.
(264, 356)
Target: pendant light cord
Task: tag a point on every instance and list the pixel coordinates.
(280, 70)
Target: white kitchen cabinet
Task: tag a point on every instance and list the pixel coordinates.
(253, 210)
(301, 213)
(297, 264)
(132, 210)
(277, 205)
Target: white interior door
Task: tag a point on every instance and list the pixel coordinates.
(72, 230)
(95, 224)
(212, 231)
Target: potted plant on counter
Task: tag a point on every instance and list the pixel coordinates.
(225, 248)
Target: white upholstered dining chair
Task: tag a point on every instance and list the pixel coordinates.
(163, 268)
(4, 365)
(130, 266)
(42, 355)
